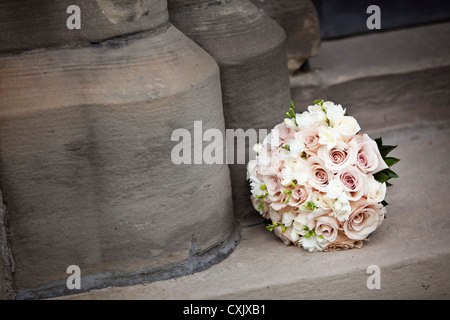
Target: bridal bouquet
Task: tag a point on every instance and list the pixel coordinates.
(319, 180)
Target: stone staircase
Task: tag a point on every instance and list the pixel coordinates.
(396, 84)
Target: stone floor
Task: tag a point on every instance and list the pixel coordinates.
(397, 86)
(411, 247)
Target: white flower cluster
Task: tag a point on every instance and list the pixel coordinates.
(313, 177)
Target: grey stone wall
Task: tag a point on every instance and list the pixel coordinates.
(250, 50)
(85, 148)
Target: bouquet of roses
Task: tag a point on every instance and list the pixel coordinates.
(320, 181)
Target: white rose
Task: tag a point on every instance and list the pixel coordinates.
(251, 168)
(274, 215)
(315, 108)
(374, 190)
(342, 209)
(287, 176)
(318, 115)
(314, 118)
(290, 123)
(304, 120)
(294, 236)
(334, 189)
(315, 198)
(327, 203)
(328, 136)
(334, 112)
(313, 243)
(295, 169)
(300, 222)
(346, 126)
(288, 218)
(296, 147)
(257, 148)
(255, 185)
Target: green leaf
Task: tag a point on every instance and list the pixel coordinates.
(283, 228)
(388, 184)
(292, 104)
(381, 177)
(287, 200)
(286, 147)
(319, 102)
(261, 205)
(384, 203)
(379, 142)
(287, 191)
(386, 149)
(390, 173)
(260, 196)
(263, 187)
(311, 205)
(390, 161)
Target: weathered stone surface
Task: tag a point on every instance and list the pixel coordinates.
(383, 70)
(2, 291)
(86, 169)
(28, 24)
(6, 260)
(250, 50)
(410, 247)
(301, 24)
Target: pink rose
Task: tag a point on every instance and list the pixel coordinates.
(272, 183)
(368, 157)
(278, 200)
(265, 210)
(269, 160)
(284, 236)
(342, 242)
(310, 138)
(363, 219)
(285, 133)
(318, 175)
(299, 195)
(327, 227)
(353, 181)
(340, 156)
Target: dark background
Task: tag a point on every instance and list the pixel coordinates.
(340, 18)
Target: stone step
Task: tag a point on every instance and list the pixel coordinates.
(411, 247)
(402, 74)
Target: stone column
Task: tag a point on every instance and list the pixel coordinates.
(250, 50)
(300, 22)
(86, 121)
